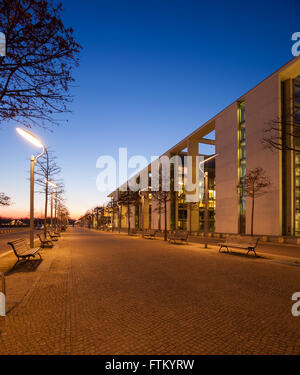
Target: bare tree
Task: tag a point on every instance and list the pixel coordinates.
(163, 198)
(111, 209)
(118, 206)
(36, 73)
(283, 133)
(59, 198)
(4, 200)
(64, 214)
(47, 171)
(128, 198)
(279, 133)
(255, 184)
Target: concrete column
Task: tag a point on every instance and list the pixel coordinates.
(288, 167)
(132, 216)
(162, 220)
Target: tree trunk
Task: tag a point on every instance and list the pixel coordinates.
(46, 206)
(159, 213)
(190, 214)
(128, 216)
(46, 196)
(113, 217)
(252, 216)
(55, 211)
(165, 209)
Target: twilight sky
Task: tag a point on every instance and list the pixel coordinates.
(151, 72)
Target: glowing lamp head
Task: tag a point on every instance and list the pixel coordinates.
(51, 183)
(30, 138)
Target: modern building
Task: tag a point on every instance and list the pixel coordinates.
(238, 132)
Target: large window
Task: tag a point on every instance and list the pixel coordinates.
(211, 205)
(242, 166)
(297, 153)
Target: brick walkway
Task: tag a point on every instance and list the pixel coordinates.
(101, 293)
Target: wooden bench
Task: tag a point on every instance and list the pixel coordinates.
(150, 233)
(22, 250)
(180, 235)
(133, 232)
(53, 236)
(57, 232)
(240, 242)
(45, 242)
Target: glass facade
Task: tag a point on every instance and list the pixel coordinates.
(182, 206)
(150, 214)
(182, 215)
(297, 153)
(211, 206)
(182, 222)
(137, 216)
(242, 166)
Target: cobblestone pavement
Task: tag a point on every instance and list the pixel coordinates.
(103, 293)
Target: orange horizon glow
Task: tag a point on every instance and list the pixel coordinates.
(17, 214)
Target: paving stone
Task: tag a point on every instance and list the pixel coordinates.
(103, 293)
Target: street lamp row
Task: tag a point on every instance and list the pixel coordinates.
(33, 159)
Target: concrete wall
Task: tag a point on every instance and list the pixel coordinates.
(227, 170)
(262, 105)
(155, 213)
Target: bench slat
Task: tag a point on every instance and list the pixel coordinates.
(22, 250)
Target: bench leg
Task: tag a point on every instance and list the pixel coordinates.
(222, 247)
(251, 249)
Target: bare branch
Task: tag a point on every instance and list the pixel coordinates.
(36, 74)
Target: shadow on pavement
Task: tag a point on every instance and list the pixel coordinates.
(244, 255)
(24, 266)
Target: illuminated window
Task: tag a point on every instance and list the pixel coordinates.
(297, 155)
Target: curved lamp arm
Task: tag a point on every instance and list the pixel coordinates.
(41, 154)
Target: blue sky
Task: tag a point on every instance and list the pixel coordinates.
(151, 72)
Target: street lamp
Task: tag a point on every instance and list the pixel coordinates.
(52, 193)
(142, 209)
(57, 210)
(36, 142)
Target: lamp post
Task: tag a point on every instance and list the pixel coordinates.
(142, 209)
(36, 142)
(52, 194)
(57, 209)
(119, 215)
(206, 207)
